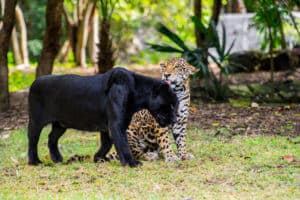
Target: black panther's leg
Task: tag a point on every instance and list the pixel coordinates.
(56, 132)
(34, 131)
(106, 144)
(122, 146)
(118, 121)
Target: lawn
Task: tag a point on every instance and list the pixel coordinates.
(240, 167)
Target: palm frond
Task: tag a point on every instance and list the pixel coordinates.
(172, 36)
(164, 48)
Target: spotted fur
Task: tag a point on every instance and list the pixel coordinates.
(146, 138)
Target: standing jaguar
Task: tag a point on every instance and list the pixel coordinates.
(146, 138)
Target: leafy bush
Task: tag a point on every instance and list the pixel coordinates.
(35, 47)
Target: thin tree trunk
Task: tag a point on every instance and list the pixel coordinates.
(64, 52)
(282, 41)
(51, 42)
(15, 47)
(216, 11)
(271, 61)
(83, 36)
(5, 34)
(198, 14)
(238, 6)
(94, 37)
(2, 11)
(20, 22)
(72, 29)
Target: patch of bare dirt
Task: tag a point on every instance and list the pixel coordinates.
(264, 119)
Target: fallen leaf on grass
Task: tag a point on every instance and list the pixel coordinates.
(288, 158)
(214, 158)
(44, 175)
(215, 124)
(193, 109)
(82, 171)
(15, 161)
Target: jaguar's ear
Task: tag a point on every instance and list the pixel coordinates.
(192, 69)
(162, 66)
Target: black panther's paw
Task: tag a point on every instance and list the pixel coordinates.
(34, 162)
(135, 163)
(56, 158)
(100, 159)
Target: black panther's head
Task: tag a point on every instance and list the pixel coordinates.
(163, 104)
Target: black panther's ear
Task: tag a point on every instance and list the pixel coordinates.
(165, 86)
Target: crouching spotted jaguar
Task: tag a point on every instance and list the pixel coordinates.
(146, 138)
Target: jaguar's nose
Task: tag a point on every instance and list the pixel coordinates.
(167, 76)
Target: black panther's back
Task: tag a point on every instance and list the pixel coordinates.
(74, 101)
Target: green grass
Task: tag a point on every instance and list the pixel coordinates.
(244, 167)
(19, 80)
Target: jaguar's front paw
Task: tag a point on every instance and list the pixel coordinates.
(150, 156)
(172, 158)
(186, 156)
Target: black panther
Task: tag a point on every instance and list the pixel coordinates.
(103, 102)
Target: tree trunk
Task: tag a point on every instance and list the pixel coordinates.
(198, 14)
(72, 27)
(51, 42)
(5, 33)
(93, 37)
(105, 55)
(282, 35)
(2, 2)
(235, 6)
(15, 47)
(216, 11)
(83, 35)
(20, 22)
(64, 52)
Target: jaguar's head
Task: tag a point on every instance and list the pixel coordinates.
(176, 71)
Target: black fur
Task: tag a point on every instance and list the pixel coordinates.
(102, 103)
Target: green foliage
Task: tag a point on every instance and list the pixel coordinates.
(107, 8)
(10, 58)
(269, 17)
(146, 57)
(19, 80)
(35, 48)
